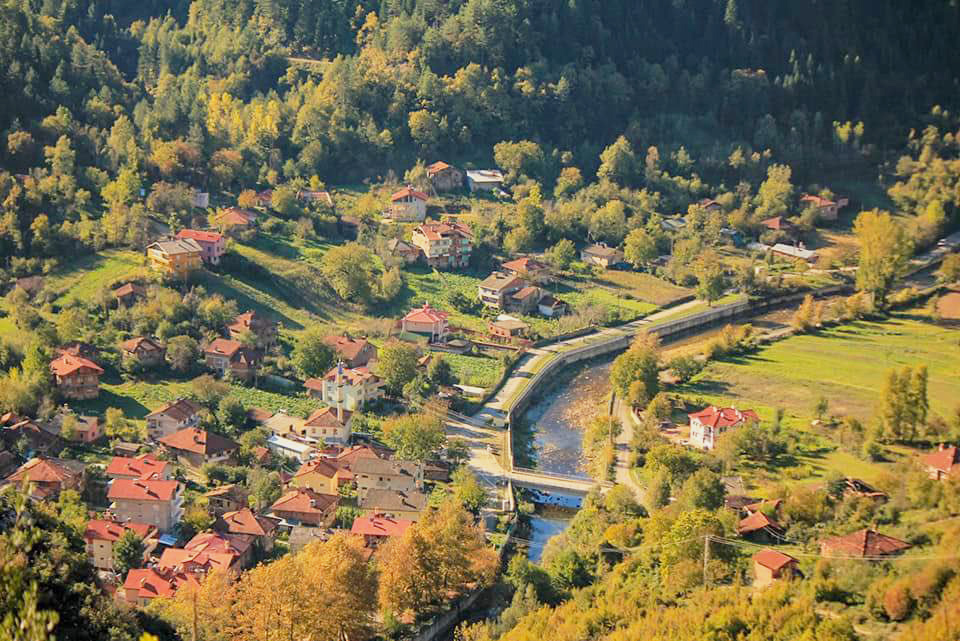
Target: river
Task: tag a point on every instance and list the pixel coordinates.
(557, 417)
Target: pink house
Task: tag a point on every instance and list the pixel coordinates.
(428, 321)
(212, 243)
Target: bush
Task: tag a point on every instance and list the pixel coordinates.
(897, 602)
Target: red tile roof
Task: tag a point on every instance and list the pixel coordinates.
(144, 466)
(134, 344)
(772, 559)
(234, 544)
(327, 417)
(151, 583)
(142, 490)
(437, 167)
(863, 543)
(224, 347)
(351, 455)
(129, 289)
(193, 439)
(68, 364)
(817, 201)
(234, 217)
(211, 237)
(346, 346)
(379, 525)
(304, 500)
(426, 314)
(351, 376)
(436, 231)
(777, 223)
(105, 530)
(324, 467)
(179, 410)
(524, 264)
(724, 417)
(45, 470)
(944, 459)
(245, 521)
(756, 522)
(183, 560)
(407, 192)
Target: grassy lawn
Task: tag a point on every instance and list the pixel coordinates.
(478, 371)
(139, 398)
(643, 286)
(846, 364)
(85, 277)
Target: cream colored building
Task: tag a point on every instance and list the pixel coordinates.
(157, 503)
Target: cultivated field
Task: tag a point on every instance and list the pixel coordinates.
(644, 286)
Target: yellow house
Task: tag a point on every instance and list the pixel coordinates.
(321, 476)
(177, 258)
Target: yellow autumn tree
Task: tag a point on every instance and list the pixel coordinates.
(211, 600)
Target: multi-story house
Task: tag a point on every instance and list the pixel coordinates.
(48, 477)
(143, 467)
(408, 206)
(708, 425)
(376, 473)
(101, 534)
(303, 505)
(251, 322)
(172, 417)
(444, 245)
(76, 377)
(212, 244)
(159, 503)
(495, 288)
(354, 352)
(427, 321)
(196, 447)
(224, 355)
(144, 350)
(353, 387)
(444, 177)
(175, 258)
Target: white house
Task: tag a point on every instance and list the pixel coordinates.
(706, 426)
(354, 386)
(484, 179)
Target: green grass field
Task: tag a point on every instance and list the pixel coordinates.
(139, 398)
(643, 286)
(88, 275)
(478, 371)
(847, 365)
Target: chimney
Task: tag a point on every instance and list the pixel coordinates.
(943, 446)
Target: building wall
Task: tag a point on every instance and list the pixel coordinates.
(79, 385)
(408, 210)
(159, 427)
(163, 514)
(396, 483)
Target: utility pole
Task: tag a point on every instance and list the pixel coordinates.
(706, 556)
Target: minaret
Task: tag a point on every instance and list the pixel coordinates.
(340, 392)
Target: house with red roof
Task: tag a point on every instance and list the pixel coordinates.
(209, 551)
(227, 498)
(427, 321)
(942, 463)
(146, 351)
(863, 544)
(143, 585)
(529, 269)
(708, 425)
(100, 535)
(351, 386)
(234, 219)
(224, 355)
(315, 197)
(322, 475)
(826, 209)
(252, 322)
(129, 293)
(76, 377)
(144, 467)
(303, 505)
(444, 177)
(330, 425)
(408, 206)
(212, 244)
(172, 417)
(246, 522)
(495, 290)
(48, 477)
(194, 446)
(771, 565)
(759, 527)
(378, 528)
(159, 503)
(444, 245)
(354, 352)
